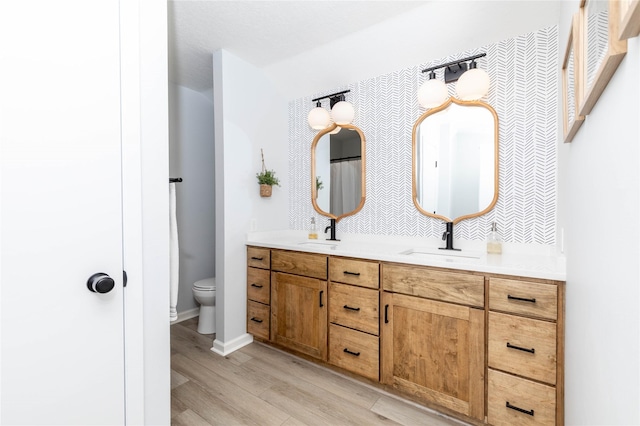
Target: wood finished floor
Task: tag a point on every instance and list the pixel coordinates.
(259, 385)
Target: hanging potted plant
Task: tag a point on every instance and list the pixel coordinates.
(267, 179)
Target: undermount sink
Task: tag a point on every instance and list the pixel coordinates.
(319, 244)
(437, 254)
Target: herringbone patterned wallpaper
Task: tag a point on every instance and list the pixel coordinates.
(524, 91)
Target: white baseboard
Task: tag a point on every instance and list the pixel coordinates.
(185, 315)
(225, 348)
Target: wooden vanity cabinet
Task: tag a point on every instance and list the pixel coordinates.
(433, 349)
(525, 352)
(258, 291)
(299, 302)
(354, 316)
(489, 347)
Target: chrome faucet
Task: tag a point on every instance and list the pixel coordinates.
(448, 237)
(332, 227)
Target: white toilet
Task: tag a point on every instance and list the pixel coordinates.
(204, 291)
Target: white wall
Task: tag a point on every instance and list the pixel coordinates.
(191, 157)
(249, 115)
(599, 211)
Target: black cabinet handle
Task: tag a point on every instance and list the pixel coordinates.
(522, 410)
(531, 351)
(357, 274)
(351, 353)
(256, 258)
(350, 308)
(321, 304)
(386, 314)
(254, 319)
(256, 285)
(522, 299)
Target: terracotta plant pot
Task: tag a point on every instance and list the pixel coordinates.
(265, 190)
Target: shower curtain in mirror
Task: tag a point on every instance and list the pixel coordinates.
(346, 185)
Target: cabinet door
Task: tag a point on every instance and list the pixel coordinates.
(434, 351)
(299, 313)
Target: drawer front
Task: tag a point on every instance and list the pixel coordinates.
(523, 346)
(258, 285)
(258, 320)
(356, 272)
(524, 298)
(513, 401)
(354, 307)
(306, 264)
(425, 282)
(354, 351)
(258, 257)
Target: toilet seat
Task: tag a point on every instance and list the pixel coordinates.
(208, 284)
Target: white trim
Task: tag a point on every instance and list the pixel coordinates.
(185, 315)
(224, 349)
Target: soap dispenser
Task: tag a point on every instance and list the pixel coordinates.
(494, 240)
(313, 233)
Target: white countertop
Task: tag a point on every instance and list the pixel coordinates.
(523, 260)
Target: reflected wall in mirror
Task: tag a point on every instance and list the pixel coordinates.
(601, 50)
(455, 160)
(338, 171)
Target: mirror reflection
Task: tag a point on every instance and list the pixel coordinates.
(455, 160)
(337, 162)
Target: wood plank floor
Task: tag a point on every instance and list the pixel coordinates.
(260, 385)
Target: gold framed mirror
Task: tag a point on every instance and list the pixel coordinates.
(572, 82)
(455, 160)
(338, 184)
(601, 50)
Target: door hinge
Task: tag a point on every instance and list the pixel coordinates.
(124, 278)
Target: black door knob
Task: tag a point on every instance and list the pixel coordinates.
(100, 283)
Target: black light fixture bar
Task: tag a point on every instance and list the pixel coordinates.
(448, 64)
(331, 95)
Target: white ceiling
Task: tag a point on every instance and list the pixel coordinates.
(307, 46)
(261, 32)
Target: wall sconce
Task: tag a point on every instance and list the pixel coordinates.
(472, 82)
(342, 112)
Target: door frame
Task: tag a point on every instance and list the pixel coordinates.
(145, 189)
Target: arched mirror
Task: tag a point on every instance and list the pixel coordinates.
(455, 160)
(338, 171)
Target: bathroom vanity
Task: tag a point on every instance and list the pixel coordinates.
(476, 336)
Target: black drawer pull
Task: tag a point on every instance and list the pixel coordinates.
(531, 351)
(256, 285)
(321, 304)
(386, 314)
(522, 299)
(350, 308)
(254, 319)
(357, 274)
(256, 258)
(522, 410)
(351, 353)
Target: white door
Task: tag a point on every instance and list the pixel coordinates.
(62, 354)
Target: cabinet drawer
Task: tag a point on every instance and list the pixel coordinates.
(258, 285)
(354, 307)
(425, 282)
(524, 298)
(258, 257)
(354, 351)
(523, 346)
(307, 264)
(514, 401)
(356, 272)
(258, 320)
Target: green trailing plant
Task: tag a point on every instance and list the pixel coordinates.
(319, 185)
(268, 177)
